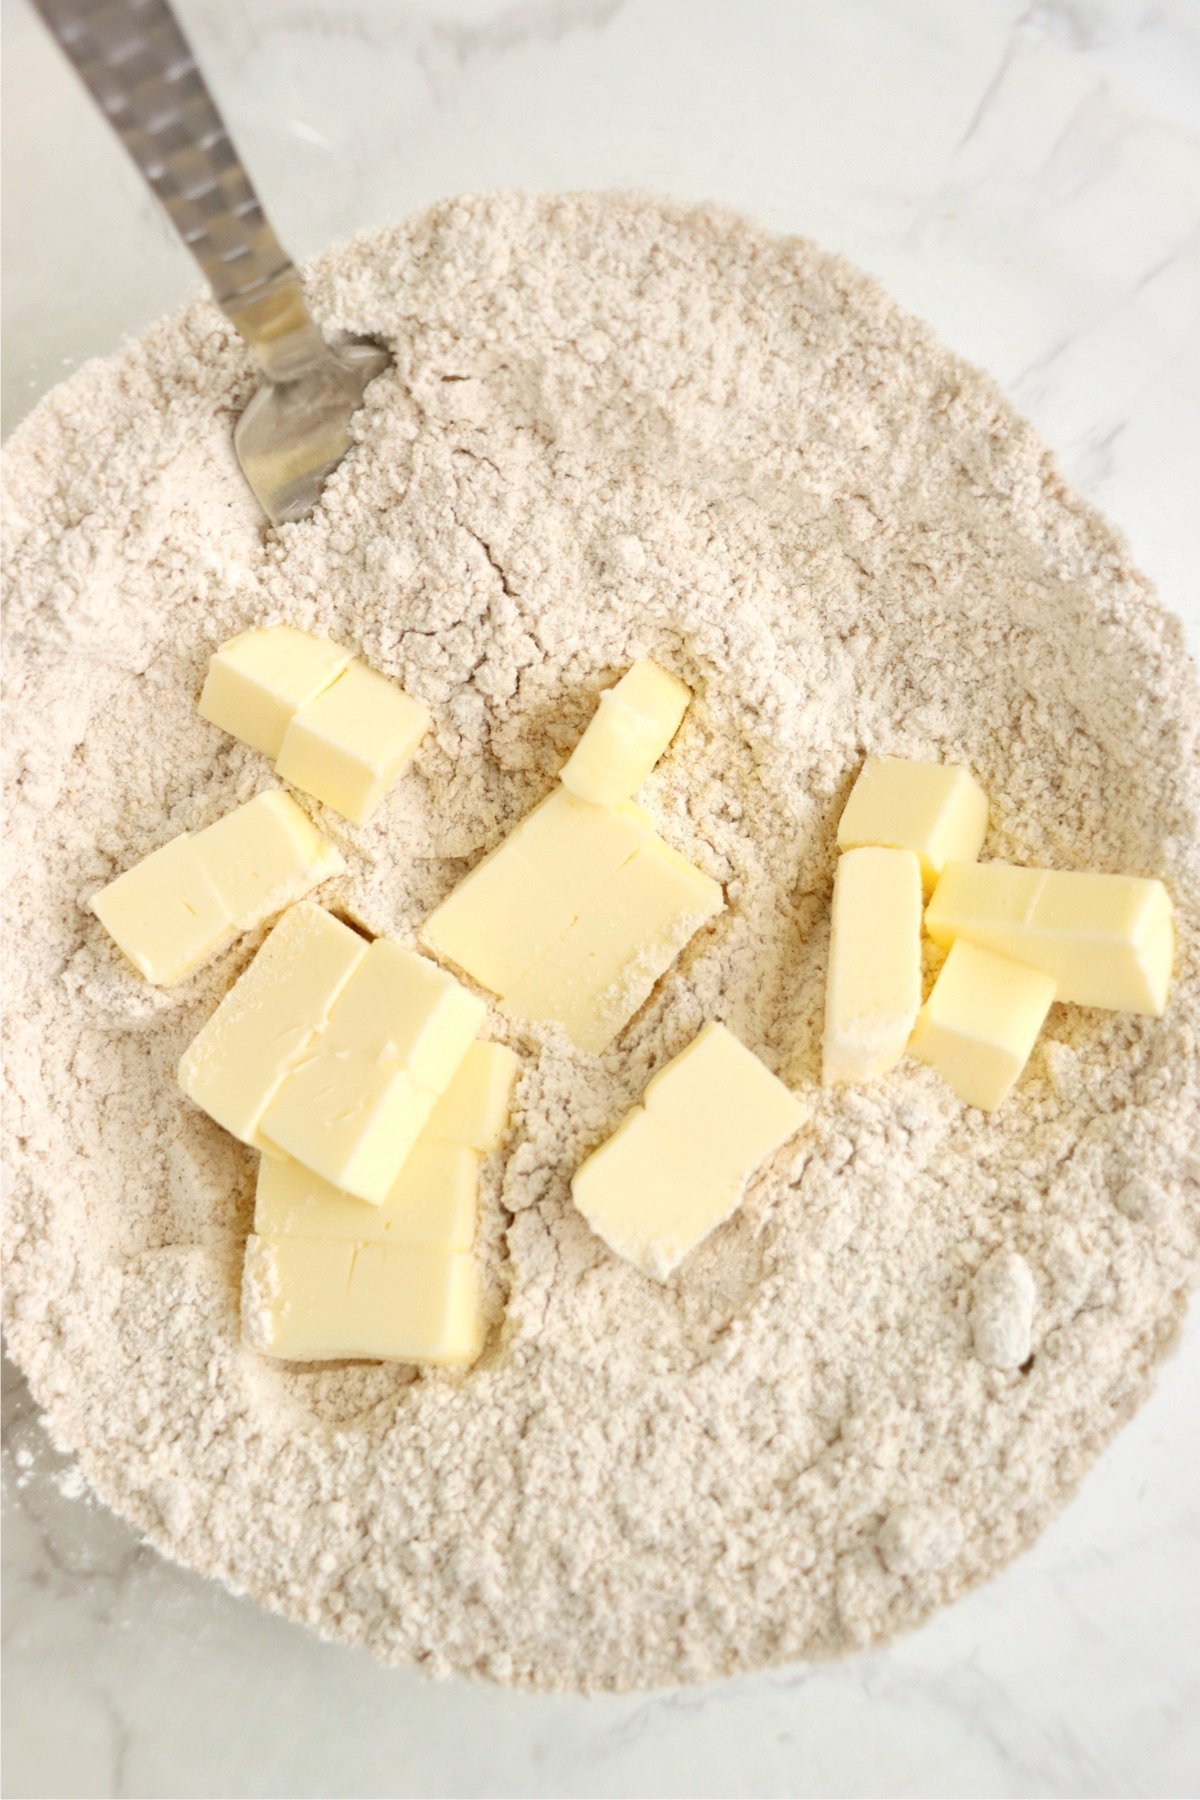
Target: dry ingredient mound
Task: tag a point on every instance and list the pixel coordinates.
(614, 427)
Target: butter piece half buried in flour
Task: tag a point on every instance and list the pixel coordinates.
(873, 986)
(937, 810)
(174, 910)
(313, 1300)
(980, 1022)
(677, 1165)
(633, 724)
(1107, 940)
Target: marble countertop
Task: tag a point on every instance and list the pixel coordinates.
(1026, 175)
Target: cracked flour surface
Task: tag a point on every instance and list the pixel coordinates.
(614, 427)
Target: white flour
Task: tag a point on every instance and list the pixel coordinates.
(614, 428)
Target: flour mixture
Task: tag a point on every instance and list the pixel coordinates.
(613, 428)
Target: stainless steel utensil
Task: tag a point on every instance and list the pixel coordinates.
(136, 63)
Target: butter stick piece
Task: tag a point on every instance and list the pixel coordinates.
(166, 913)
(257, 681)
(633, 725)
(676, 1167)
(310, 1300)
(400, 1009)
(269, 1018)
(937, 810)
(649, 1201)
(350, 742)
(264, 856)
(980, 1022)
(722, 1104)
(433, 1202)
(527, 892)
(1106, 940)
(593, 980)
(873, 988)
(348, 1117)
(474, 1110)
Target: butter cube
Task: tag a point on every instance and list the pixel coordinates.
(347, 745)
(433, 1201)
(717, 1099)
(531, 888)
(165, 913)
(1107, 940)
(474, 1109)
(648, 1199)
(873, 988)
(256, 682)
(937, 810)
(183, 903)
(269, 1018)
(676, 1166)
(348, 1117)
(310, 1300)
(633, 724)
(980, 1023)
(401, 1009)
(265, 855)
(601, 970)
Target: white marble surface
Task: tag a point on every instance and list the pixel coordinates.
(1027, 177)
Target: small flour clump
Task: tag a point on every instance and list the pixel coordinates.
(614, 428)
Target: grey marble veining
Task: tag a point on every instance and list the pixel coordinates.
(1027, 177)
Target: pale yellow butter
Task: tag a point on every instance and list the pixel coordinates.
(633, 724)
(873, 987)
(353, 1109)
(433, 1201)
(594, 978)
(473, 1111)
(265, 855)
(400, 1009)
(165, 913)
(981, 1021)
(348, 744)
(676, 1166)
(533, 886)
(348, 1117)
(269, 1018)
(648, 1199)
(183, 903)
(937, 810)
(1107, 940)
(312, 1300)
(257, 681)
(722, 1102)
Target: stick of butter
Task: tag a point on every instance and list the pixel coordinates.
(573, 918)
(1107, 940)
(676, 1166)
(633, 724)
(269, 1019)
(474, 1109)
(980, 1022)
(937, 810)
(349, 743)
(873, 988)
(311, 1300)
(257, 681)
(531, 888)
(177, 907)
(433, 1201)
(354, 1107)
(602, 969)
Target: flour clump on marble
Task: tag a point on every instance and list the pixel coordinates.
(614, 428)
